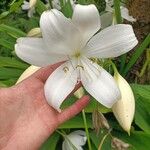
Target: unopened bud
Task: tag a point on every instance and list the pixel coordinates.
(32, 3)
(124, 108)
(28, 72)
(79, 93)
(35, 32)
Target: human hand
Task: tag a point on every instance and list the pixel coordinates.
(26, 119)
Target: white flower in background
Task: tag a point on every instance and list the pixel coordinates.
(29, 6)
(74, 140)
(125, 14)
(107, 18)
(56, 3)
(75, 42)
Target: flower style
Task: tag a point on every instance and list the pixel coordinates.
(74, 41)
(74, 140)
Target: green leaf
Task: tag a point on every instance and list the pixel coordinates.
(67, 9)
(138, 52)
(40, 7)
(141, 90)
(77, 122)
(16, 6)
(2, 84)
(4, 14)
(16, 33)
(91, 106)
(51, 142)
(142, 114)
(97, 139)
(7, 73)
(7, 44)
(9, 82)
(12, 62)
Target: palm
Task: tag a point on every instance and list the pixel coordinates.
(26, 117)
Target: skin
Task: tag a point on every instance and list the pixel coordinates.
(26, 119)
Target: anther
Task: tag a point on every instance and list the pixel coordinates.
(79, 66)
(65, 69)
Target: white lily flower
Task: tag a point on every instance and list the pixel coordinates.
(56, 4)
(125, 14)
(30, 7)
(74, 140)
(107, 18)
(75, 42)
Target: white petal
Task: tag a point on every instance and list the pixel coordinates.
(77, 138)
(67, 146)
(25, 5)
(125, 14)
(59, 33)
(60, 84)
(106, 19)
(99, 83)
(112, 42)
(87, 20)
(110, 2)
(56, 4)
(33, 51)
(109, 8)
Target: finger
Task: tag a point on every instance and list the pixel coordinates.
(43, 73)
(74, 109)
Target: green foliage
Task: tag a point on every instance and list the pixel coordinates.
(142, 114)
(51, 142)
(16, 33)
(138, 52)
(67, 9)
(138, 140)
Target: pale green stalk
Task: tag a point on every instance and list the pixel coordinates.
(86, 130)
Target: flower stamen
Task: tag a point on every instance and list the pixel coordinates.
(80, 66)
(65, 69)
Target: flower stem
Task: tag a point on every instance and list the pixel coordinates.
(118, 21)
(50, 3)
(147, 62)
(86, 130)
(114, 67)
(117, 11)
(102, 141)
